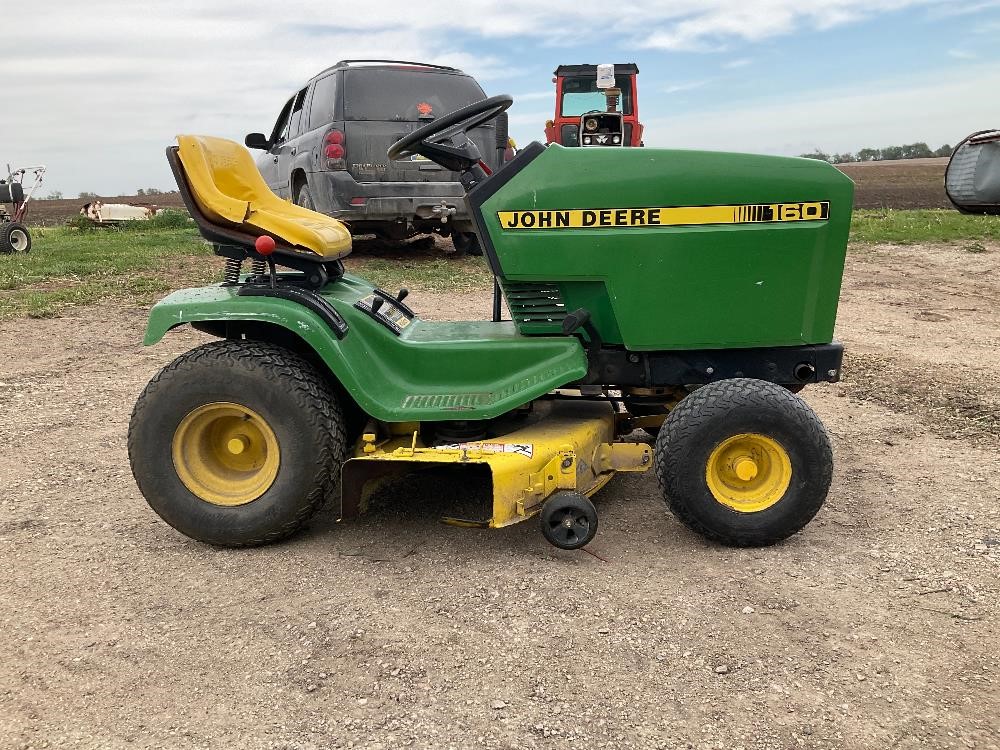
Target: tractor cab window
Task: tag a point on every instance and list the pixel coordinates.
(581, 95)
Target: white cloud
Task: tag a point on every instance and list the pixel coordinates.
(98, 100)
(706, 25)
(946, 10)
(734, 64)
(536, 95)
(941, 109)
(677, 88)
(962, 54)
(531, 122)
(103, 86)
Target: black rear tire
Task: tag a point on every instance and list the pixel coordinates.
(14, 238)
(691, 449)
(287, 393)
(466, 242)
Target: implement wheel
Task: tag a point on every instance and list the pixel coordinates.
(14, 238)
(744, 462)
(237, 443)
(569, 520)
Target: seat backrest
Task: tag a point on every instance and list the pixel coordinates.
(224, 183)
(222, 175)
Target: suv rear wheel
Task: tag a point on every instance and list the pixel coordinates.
(466, 242)
(305, 198)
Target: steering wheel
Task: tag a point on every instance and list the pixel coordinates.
(444, 140)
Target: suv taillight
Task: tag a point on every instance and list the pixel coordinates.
(333, 149)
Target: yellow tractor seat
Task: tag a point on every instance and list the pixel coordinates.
(228, 192)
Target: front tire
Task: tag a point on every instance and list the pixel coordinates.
(14, 238)
(744, 462)
(237, 443)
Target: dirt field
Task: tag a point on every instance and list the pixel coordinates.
(908, 183)
(876, 627)
(58, 212)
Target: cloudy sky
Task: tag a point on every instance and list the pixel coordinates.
(97, 89)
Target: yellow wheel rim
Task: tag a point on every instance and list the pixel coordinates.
(225, 454)
(749, 472)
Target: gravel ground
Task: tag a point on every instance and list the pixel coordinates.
(875, 627)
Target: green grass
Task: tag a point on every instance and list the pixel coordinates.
(888, 226)
(140, 261)
(74, 266)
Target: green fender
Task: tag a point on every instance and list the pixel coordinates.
(433, 371)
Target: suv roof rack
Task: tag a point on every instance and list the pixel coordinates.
(397, 62)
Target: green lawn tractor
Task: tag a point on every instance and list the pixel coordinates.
(683, 294)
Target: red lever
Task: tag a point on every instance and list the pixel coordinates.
(264, 245)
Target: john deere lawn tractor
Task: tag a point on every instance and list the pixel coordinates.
(679, 293)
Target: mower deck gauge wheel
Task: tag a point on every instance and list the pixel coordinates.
(569, 520)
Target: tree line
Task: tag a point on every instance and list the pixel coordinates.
(57, 195)
(889, 153)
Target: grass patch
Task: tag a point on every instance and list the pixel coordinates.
(888, 226)
(141, 260)
(71, 266)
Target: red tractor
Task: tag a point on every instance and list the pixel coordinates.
(587, 112)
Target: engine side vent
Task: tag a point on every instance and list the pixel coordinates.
(537, 307)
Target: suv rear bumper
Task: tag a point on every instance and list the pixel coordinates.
(389, 201)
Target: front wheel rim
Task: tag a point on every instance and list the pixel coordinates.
(749, 472)
(569, 526)
(225, 454)
(18, 240)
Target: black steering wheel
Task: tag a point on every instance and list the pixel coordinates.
(444, 141)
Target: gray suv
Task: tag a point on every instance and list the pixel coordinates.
(327, 150)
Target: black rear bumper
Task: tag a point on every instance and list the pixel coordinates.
(786, 365)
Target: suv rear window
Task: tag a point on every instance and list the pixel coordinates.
(394, 94)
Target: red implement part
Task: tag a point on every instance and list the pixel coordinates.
(17, 176)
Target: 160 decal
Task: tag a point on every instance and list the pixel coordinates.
(667, 216)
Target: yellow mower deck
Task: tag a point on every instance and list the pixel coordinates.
(562, 446)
